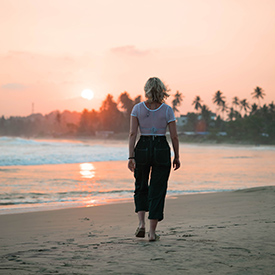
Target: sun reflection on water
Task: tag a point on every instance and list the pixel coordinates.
(87, 170)
(91, 203)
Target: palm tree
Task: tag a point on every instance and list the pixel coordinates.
(244, 105)
(271, 107)
(178, 98)
(231, 114)
(254, 109)
(224, 107)
(126, 102)
(197, 102)
(235, 102)
(110, 116)
(219, 100)
(137, 99)
(258, 93)
(265, 108)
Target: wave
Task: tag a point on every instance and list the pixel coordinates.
(59, 197)
(198, 191)
(18, 141)
(15, 141)
(78, 196)
(19, 151)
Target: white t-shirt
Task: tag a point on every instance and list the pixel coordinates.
(153, 122)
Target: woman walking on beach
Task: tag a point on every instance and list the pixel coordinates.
(151, 158)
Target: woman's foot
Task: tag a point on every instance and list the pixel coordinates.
(140, 232)
(153, 237)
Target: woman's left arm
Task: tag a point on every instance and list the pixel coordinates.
(132, 141)
(175, 143)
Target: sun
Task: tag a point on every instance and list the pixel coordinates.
(87, 94)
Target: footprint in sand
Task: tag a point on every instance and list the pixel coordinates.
(84, 219)
(70, 240)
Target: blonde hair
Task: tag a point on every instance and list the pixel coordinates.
(155, 90)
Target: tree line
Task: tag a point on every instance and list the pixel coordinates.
(238, 119)
(112, 116)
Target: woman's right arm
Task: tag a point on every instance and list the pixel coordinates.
(175, 142)
(132, 141)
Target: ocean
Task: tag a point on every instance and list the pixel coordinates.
(38, 175)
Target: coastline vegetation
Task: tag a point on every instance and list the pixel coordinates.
(235, 122)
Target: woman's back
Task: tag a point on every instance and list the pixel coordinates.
(153, 122)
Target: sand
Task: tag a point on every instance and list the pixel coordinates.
(218, 233)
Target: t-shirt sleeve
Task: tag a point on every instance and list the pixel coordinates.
(135, 111)
(170, 116)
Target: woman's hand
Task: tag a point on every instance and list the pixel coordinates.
(176, 164)
(132, 165)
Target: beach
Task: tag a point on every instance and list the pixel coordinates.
(218, 233)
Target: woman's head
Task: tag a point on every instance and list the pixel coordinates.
(155, 90)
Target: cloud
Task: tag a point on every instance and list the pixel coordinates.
(129, 50)
(13, 86)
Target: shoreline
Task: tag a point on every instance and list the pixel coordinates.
(111, 140)
(123, 137)
(232, 232)
(118, 201)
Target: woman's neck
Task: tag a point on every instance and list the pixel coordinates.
(152, 105)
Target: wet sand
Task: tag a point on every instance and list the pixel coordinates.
(218, 233)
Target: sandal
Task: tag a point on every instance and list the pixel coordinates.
(157, 238)
(140, 232)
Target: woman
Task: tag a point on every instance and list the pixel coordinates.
(151, 156)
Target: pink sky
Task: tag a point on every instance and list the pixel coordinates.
(51, 50)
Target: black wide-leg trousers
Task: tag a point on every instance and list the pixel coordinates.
(153, 165)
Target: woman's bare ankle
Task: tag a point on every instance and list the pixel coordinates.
(141, 225)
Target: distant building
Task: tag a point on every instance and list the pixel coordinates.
(212, 116)
(182, 120)
(200, 126)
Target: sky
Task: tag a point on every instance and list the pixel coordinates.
(51, 50)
